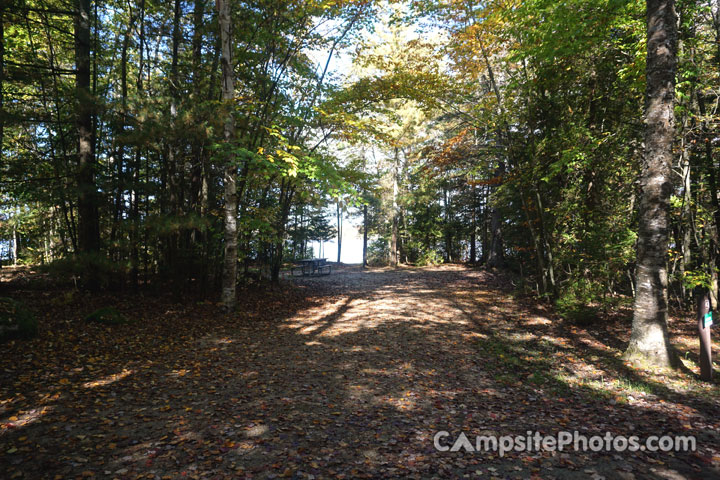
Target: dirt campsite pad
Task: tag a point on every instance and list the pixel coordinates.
(350, 375)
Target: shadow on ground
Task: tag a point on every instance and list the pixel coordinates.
(343, 376)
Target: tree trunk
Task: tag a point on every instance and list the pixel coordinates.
(171, 240)
(473, 226)
(539, 255)
(484, 242)
(365, 235)
(88, 221)
(120, 152)
(195, 163)
(339, 230)
(495, 255)
(2, 79)
(394, 233)
(446, 225)
(547, 248)
(15, 241)
(135, 197)
(287, 191)
(685, 225)
(649, 339)
(229, 277)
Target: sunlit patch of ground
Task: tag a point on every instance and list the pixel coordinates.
(101, 382)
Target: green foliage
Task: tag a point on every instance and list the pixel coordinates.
(579, 301)
(16, 321)
(428, 258)
(378, 253)
(107, 316)
(692, 279)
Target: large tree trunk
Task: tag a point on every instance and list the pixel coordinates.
(2, 80)
(229, 277)
(649, 340)
(88, 221)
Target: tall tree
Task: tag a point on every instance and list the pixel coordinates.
(88, 221)
(649, 340)
(2, 77)
(229, 277)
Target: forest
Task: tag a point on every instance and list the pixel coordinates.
(166, 165)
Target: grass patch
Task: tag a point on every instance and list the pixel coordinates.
(526, 362)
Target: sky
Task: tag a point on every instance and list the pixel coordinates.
(352, 243)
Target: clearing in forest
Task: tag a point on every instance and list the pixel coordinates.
(348, 375)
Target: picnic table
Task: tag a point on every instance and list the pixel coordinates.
(312, 266)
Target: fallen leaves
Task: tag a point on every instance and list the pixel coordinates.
(345, 376)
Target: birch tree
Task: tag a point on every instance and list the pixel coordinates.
(649, 340)
(229, 274)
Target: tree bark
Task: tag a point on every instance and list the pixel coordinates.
(547, 248)
(394, 233)
(473, 226)
(496, 257)
(2, 79)
(120, 152)
(88, 221)
(135, 196)
(15, 241)
(484, 243)
(649, 341)
(446, 225)
(287, 191)
(339, 230)
(365, 235)
(196, 163)
(171, 238)
(229, 277)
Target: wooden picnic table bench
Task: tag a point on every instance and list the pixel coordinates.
(312, 266)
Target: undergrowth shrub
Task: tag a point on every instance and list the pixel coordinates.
(16, 321)
(378, 253)
(429, 257)
(107, 316)
(92, 271)
(580, 301)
